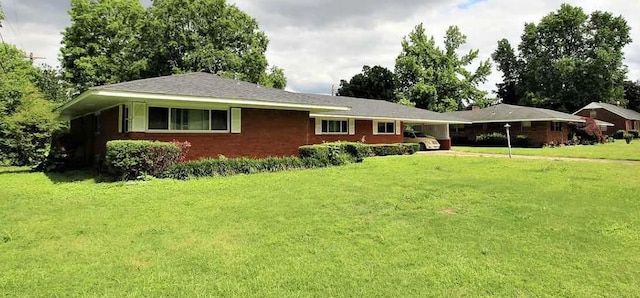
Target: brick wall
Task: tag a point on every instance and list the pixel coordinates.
(264, 133)
(364, 128)
(604, 115)
(539, 133)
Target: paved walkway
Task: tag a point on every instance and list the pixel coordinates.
(475, 154)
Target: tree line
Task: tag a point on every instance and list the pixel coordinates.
(565, 61)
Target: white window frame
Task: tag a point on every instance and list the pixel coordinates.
(395, 127)
(553, 126)
(350, 126)
(593, 114)
(123, 123)
(169, 130)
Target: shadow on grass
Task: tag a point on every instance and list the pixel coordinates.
(15, 171)
(75, 176)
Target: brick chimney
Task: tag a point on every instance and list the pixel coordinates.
(475, 108)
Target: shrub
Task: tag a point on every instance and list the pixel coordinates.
(619, 134)
(628, 137)
(491, 139)
(394, 149)
(337, 153)
(233, 166)
(411, 148)
(522, 141)
(127, 160)
(25, 136)
(635, 133)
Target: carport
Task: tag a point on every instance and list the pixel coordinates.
(440, 131)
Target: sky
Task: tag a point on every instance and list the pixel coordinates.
(318, 43)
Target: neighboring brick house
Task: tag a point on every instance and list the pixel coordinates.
(222, 116)
(622, 119)
(541, 126)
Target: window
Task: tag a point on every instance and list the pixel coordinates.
(556, 126)
(158, 118)
(386, 127)
(335, 126)
(457, 128)
(188, 119)
(593, 113)
(175, 119)
(219, 120)
(97, 125)
(124, 118)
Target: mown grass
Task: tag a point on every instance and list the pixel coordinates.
(619, 150)
(394, 226)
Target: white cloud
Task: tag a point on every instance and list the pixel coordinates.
(320, 42)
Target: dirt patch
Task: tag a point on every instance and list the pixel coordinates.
(449, 211)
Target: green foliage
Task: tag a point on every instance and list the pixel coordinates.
(632, 95)
(51, 83)
(16, 76)
(373, 83)
(634, 133)
(394, 149)
(619, 134)
(25, 135)
(111, 41)
(208, 35)
(491, 139)
(274, 78)
(437, 79)
(234, 166)
(522, 141)
(129, 160)
(104, 44)
(336, 153)
(565, 61)
(628, 137)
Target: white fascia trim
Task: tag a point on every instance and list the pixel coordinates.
(389, 119)
(137, 95)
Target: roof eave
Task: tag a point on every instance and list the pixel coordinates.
(360, 117)
(187, 98)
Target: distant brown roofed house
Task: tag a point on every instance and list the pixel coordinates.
(622, 119)
(541, 126)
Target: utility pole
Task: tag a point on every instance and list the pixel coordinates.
(31, 57)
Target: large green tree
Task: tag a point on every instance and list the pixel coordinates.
(27, 120)
(111, 41)
(437, 78)
(373, 83)
(103, 44)
(208, 35)
(565, 61)
(632, 95)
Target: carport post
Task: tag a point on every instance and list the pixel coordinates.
(507, 126)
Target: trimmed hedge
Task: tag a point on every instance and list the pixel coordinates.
(233, 166)
(355, 152)
(492, 139)
(336, 153)
(128, 160)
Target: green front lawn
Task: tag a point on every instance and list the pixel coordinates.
(395, 226)
(619, 150)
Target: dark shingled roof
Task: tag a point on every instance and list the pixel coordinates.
(507, 113)
(620, 111)
(210, 85)
(383, 109)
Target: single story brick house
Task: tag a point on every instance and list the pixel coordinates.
(227, 117)
(542, 126)
(622, 119)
